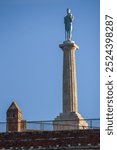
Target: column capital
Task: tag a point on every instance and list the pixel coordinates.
(68, 46)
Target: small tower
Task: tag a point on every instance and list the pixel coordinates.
(14, 118)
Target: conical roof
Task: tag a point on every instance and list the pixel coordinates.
(14, 106)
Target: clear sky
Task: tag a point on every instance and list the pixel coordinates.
(31, 60)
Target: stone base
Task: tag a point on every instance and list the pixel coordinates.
(69, 121)
(69, 44)
(68, 41)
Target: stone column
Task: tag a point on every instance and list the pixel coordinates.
(69, 78)
(70, 118)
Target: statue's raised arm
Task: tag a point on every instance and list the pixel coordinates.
(68, 19)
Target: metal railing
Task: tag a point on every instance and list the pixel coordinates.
(48, 125)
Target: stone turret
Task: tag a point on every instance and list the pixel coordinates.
(14, 119)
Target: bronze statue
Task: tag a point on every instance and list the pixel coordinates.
(68, 19)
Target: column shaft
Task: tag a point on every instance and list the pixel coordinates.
(69, 79)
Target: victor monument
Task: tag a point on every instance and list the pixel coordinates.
(70, 118)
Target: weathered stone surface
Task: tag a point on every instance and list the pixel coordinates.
(14, 119)
(59, 140)
(70, 118)
(69, 121)
(69, 78)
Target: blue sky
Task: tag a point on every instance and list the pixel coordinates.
(31, 60)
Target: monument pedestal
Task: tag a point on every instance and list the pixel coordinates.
(69, 121)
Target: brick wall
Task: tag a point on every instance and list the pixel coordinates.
(77, 139)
